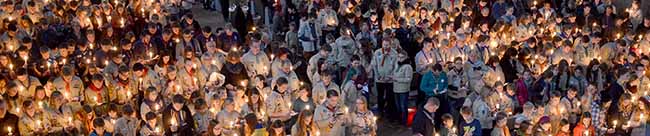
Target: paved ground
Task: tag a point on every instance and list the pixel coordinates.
(215, 20)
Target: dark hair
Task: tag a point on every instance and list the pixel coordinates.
(178, 98)
(127, 110)
(138, 67)
(21, 71)
(326, 48)
(150, 116)
(97, 77)
(200, 104)
(282, 81)
(332, 93)
(98, 122)
(437, 67)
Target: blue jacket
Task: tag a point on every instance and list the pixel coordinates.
(95, 133)
(430, 82)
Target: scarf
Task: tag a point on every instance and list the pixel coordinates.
(97, 90)
(123, 83)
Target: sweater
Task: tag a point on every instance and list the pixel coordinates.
(430, 82)
(473, 127)
(403, 76)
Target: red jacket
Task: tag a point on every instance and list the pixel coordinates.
(580, 129)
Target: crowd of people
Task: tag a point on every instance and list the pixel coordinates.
(324, 67)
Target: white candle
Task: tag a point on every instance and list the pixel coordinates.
(122, 23)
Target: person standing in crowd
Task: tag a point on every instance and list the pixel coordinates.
(304, 126)
(424, 122)
(384, 62)
(177, 117)
(8, 120)
(329, 116)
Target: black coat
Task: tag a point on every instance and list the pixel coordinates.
(422, 123)
(9, 120)
(186, 126)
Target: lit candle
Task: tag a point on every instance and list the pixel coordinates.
(40, 104)
(641, 117)
(195, 80)
(95, 99)
(70, 120)
(242, 83)
(66, 95)
(306, 107)
(122, 23)
(157, 107)
(128, 94)
(615, 122)
(10, 130)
